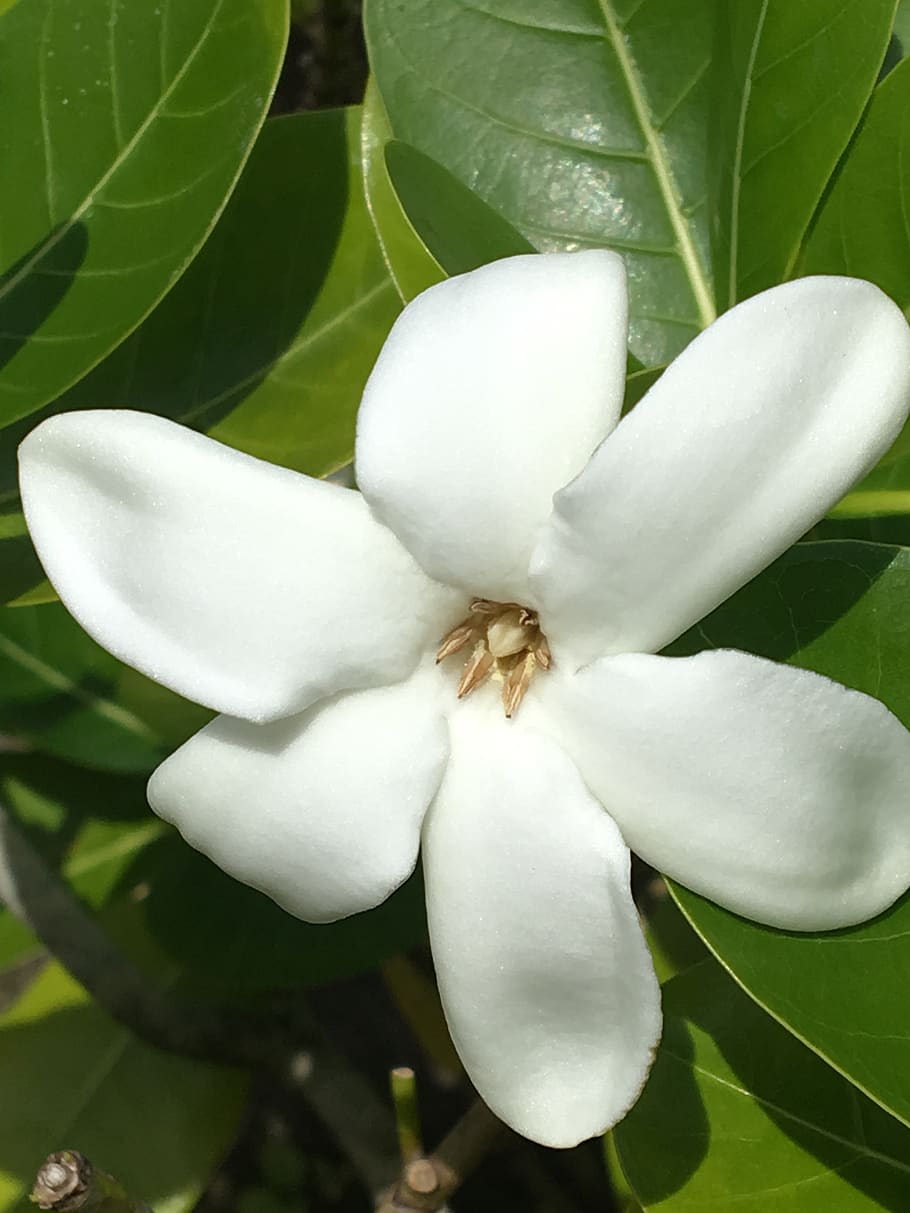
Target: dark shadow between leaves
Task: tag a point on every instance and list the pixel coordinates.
(32, 288)
(793, 602)
(20, 568)
(192, 907)
(664, 1139)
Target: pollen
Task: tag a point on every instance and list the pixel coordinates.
(505, 643)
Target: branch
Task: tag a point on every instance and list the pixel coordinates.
(68, 1183)
(426, 1183)
(45, 903)
(287, 1041)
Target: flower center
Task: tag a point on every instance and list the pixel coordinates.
(506, 642)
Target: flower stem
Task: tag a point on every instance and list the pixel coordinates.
(407, 1113)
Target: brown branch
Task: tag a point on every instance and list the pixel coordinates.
(45, 903)
(286, 1040)
(426, 1184)
(68, 1183)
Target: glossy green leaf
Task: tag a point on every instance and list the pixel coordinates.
(836, 608)
(459, 228)
(268, 338)
(583, 123)
(122, 130)
(738, 1115)
(862, 229)
(411, 265)
(58, 690)
(71, 1077)
(791, 81)
(839, 609)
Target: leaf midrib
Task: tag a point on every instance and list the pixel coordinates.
(666, 183)
(863, 1150)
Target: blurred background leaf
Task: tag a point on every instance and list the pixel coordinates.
(58, 689)
(71, 1076)
(170, 908)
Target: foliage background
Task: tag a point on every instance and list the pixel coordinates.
(173, 253)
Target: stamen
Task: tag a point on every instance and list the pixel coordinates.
(542, 652)
(459, 636)
(478, 669)
(507, 644)
(516, 685)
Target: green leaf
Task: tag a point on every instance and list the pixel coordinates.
(58, 690)
(301, 279)
(675, 947)
(862, 229)
(836, 608)
(268, 338)
(71, 1077)
(902, 25)
(738, 1114)
(582, 124)
(791, 82)
(410, 264)
(98, 831)
(124, 127)
(87, 825)
(459, 228)
(839, 609)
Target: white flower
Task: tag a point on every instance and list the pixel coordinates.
(310, 614)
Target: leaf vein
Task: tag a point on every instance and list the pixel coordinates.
(64, 228)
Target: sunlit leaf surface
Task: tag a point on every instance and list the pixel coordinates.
(123, 127)
(581, 123)
(739, 1115)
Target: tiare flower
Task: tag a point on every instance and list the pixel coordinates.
(462, 653)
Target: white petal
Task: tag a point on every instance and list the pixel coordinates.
(322, 811)
(772, 790)
(759, 426)
(249, 588)
(543, 971)
(490, 394)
